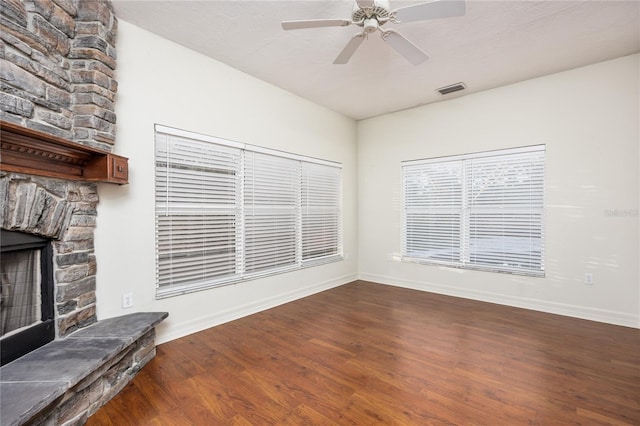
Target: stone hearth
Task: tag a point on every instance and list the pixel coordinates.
(66, 381)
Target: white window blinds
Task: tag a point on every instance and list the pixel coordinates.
(433, 211)
(271, 204)
(321, 236)
(479, 211)
(227, 211)
(197, 209)
(505, 208)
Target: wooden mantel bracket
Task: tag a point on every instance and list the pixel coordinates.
(29, 151)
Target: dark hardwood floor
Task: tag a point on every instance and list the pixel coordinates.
(364, 354)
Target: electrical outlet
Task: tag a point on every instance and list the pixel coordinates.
(127, 300)
(588, 278)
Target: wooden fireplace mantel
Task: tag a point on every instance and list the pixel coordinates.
(29, 151)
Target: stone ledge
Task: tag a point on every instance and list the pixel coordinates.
(33, 383)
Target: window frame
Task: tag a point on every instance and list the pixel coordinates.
(243, 211)
(465, 208)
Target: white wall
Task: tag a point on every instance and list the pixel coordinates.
(588, 118)
(161, 82)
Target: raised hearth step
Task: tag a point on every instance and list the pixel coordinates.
(35, 381)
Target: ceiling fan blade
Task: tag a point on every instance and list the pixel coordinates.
(315, 23)
(364, 3)
(410, 51)
(432, 10)
(349, 49)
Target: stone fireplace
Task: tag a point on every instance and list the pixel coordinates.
(57, 68)
(65, 212)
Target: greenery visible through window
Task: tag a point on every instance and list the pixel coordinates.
(227, 212)
(477, 211)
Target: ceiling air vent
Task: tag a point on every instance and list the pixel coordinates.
(452, 88)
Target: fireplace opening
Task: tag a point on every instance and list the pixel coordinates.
(26, 294)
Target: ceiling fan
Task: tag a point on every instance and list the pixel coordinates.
(372, 15)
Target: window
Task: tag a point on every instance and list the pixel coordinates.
(271, 206)
(227, 211)
(320, 212)
(478, 211)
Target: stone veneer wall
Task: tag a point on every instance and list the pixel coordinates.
(57, 67)
(57, 62)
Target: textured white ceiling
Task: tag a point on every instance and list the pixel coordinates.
(495, 43)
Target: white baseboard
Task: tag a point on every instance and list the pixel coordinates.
(593, 314)
(193, 326)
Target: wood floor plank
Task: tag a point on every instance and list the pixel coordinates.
(366, 353)
(134, 409)
(173, 417)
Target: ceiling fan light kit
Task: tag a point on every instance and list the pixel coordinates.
(370, 25)
(371, 15)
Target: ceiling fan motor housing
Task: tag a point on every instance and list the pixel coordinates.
(379, 9)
